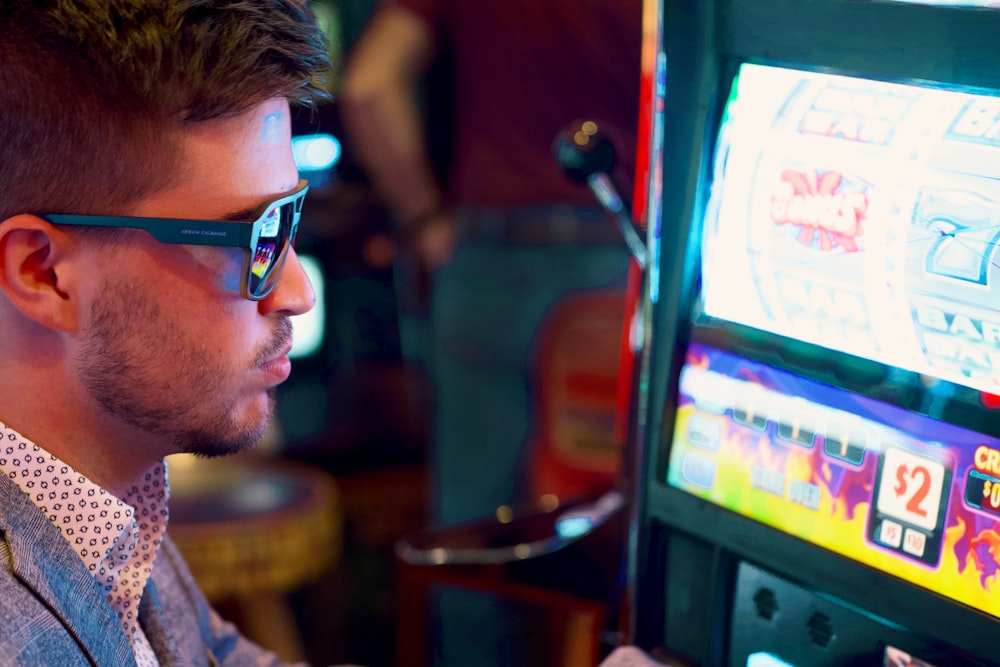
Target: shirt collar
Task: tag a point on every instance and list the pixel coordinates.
(104, 530)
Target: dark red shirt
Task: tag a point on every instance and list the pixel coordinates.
(524, 69)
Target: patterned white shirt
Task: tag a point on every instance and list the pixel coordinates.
(117, 538)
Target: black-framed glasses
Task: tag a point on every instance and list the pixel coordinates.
(265, 240)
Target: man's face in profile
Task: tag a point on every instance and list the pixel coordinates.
(170, 348)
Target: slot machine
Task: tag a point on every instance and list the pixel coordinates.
(818, 425)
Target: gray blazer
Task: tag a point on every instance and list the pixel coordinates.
(53, 613)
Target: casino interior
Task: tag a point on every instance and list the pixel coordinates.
(784, 451)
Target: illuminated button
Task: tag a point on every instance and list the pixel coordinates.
(698, 470)
(890, 534)
(983, 492)
(797, 423)
(704, 432)
(750, 410)
(845, 442)
(914, 542)
(910, 488)
(796, 433)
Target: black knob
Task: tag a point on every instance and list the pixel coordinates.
(583, 150)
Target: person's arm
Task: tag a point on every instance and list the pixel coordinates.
(383, 120)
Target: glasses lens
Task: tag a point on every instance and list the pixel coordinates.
(276, 229)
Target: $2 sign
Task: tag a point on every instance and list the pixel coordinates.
(910, 487)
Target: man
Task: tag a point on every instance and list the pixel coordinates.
(508, 238)
(148, 206)
(509, 243)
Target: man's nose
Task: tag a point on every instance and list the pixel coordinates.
(293, 294)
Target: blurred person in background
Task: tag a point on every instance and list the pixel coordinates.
(149, 202)
(501, 234)
(505, 236)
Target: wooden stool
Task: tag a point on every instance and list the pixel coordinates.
(253, 530)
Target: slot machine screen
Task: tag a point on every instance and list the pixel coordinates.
(840, 372)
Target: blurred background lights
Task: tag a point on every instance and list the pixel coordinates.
(307, 329)
(573, 526)
(766, 660)
(316, 152)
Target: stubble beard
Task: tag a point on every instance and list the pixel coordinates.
(127, 342)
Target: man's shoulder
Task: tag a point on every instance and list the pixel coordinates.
(30, 634)
(12, 591)
(32, 631)
(19, 606)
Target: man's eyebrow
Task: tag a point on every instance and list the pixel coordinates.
(251, 213)
(245, 215)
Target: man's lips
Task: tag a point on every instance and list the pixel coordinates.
(279, 366)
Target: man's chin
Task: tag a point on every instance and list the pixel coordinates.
(215, 445)
(235, 439)
(211, 448)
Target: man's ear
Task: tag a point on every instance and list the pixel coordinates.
(38, 271)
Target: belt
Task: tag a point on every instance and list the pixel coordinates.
(548, 225)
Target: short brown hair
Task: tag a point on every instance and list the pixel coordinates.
(93, 92)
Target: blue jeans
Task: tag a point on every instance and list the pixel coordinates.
(488, 306)
(510, 269)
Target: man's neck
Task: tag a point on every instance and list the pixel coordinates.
(113, 466)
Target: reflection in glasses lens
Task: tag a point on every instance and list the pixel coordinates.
(277, 231)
